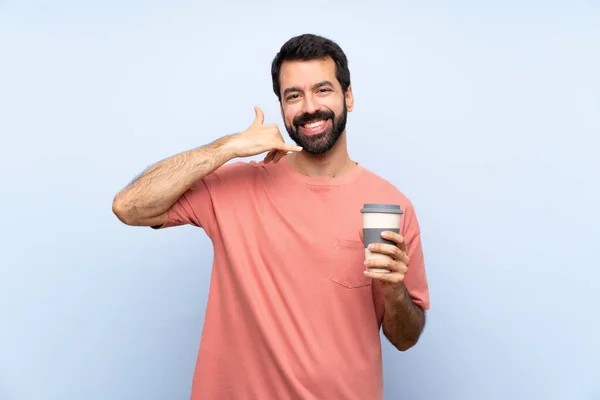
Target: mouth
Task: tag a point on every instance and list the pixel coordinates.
(314, 127)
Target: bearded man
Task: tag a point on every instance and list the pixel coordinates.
(292, 312)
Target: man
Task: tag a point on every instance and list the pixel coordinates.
(292, 312)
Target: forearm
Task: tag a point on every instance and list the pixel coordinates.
(157, 188)
(403, 320)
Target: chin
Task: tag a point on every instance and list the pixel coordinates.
(322, 146)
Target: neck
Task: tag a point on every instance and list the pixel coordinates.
(335, 163)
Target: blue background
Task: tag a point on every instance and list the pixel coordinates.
(486, 114)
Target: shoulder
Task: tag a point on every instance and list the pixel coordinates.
(239, 171)
(237, 176)
(381, 190)
(384, 189)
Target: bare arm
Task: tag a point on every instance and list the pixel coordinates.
(403, 320)
(146, 200)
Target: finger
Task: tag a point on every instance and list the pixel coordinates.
(259, 119)
(289, 147)
(269, 156)
(396, 238)
(394, 278)
(389, 249)
(403, 258)
(279, 155)
(386, 263)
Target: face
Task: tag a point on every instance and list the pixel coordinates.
(313, 106)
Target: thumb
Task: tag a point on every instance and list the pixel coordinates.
(260, 117)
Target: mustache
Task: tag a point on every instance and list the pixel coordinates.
(317, 115)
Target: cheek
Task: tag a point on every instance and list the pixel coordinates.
(335, 105)
(288, 115)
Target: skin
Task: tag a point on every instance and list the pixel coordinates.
(403, 320)
(146, 200)
(303, 92)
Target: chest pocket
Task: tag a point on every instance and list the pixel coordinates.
(347, 264)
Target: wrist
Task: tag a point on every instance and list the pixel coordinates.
(225, 148)
(230, 146)
(204, 160)
(396, 294)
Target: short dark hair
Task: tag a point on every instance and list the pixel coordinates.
(309, 47)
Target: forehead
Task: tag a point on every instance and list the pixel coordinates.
(304, 74)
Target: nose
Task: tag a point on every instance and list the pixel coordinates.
(310, 106)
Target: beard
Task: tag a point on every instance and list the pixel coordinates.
(319, 143)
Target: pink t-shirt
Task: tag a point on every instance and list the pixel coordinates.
(290, 314)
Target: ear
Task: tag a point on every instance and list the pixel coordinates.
(349, 98)
(281, 109)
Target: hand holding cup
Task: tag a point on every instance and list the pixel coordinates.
(386, 257)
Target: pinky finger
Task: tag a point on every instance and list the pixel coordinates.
(385, 277)
(289, 147)
(270, 156)
(279, 155)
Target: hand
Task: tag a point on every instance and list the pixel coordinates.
(259, 138)
(397, 263)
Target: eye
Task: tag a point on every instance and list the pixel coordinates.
(324, 90)
(292, 97)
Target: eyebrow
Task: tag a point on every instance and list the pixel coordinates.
(315, 87)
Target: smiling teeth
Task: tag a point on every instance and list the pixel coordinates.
(314, 124)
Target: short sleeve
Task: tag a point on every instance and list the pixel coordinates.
(415, 280)
(197, 205)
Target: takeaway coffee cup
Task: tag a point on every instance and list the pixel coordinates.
(378, 218)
